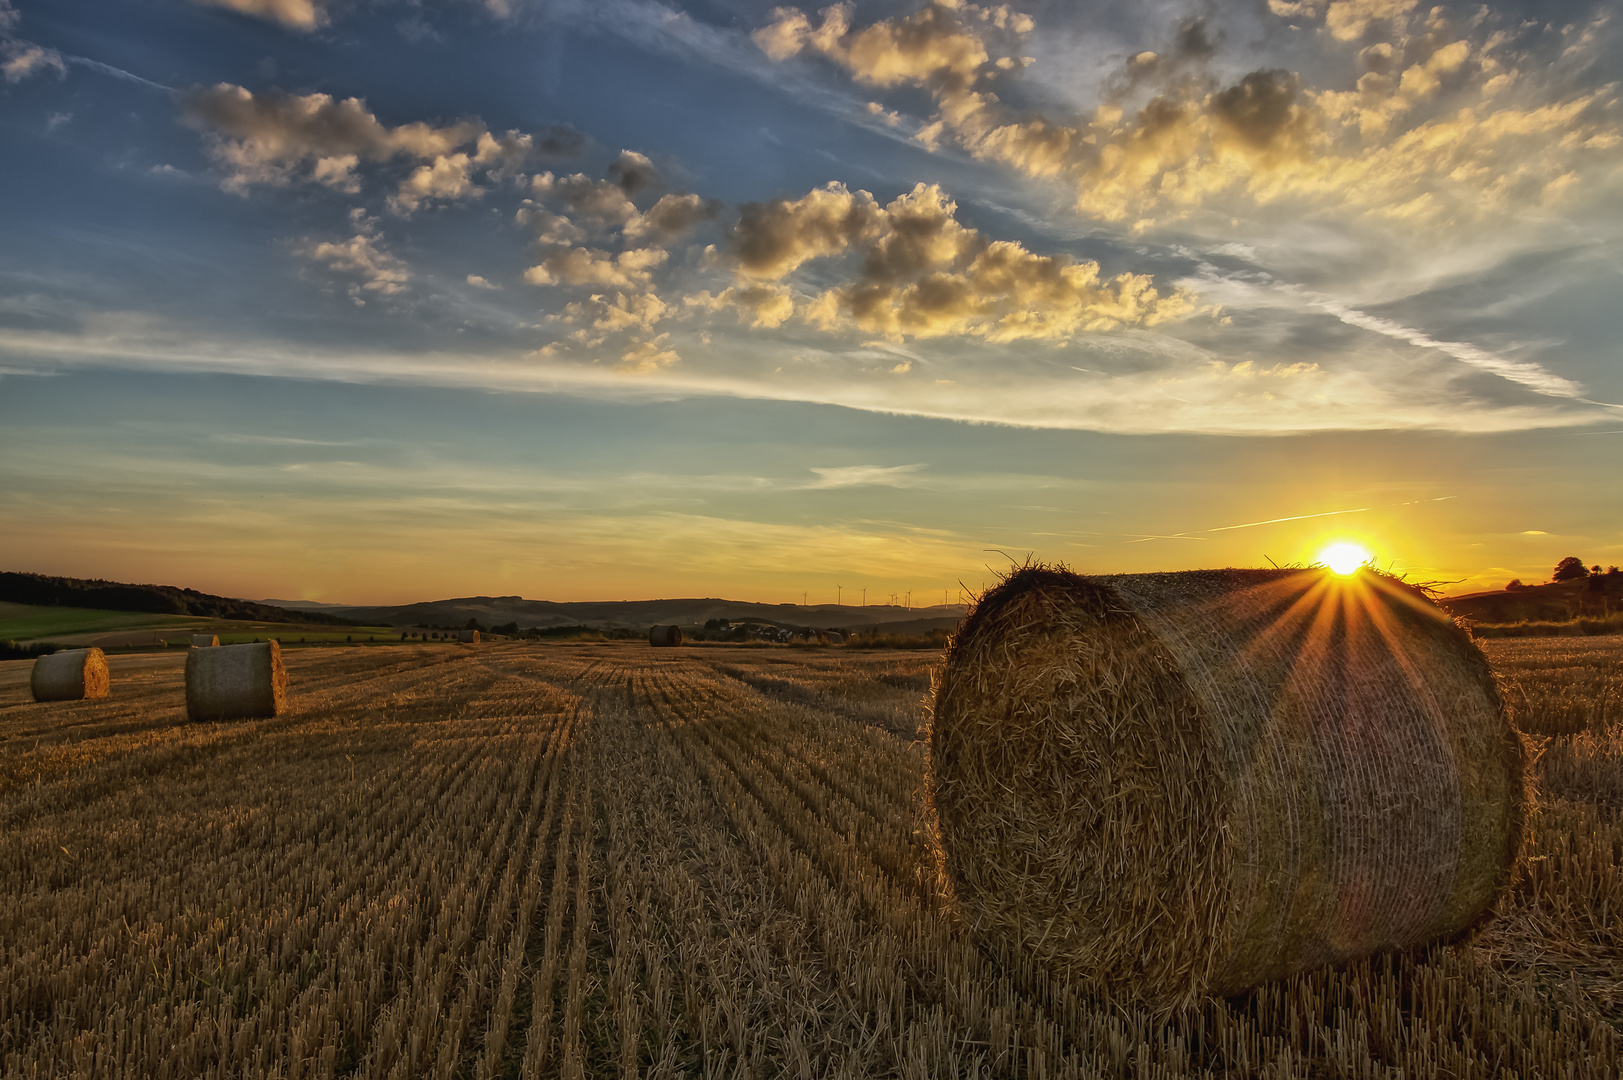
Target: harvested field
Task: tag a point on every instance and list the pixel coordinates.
(611, 860)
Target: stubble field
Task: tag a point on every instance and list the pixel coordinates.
(608, 860)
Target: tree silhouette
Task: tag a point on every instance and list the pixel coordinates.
(1570, 569)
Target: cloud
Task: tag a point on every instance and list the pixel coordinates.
(275, 138)
(588, 266)
(265, 138)
(1424, 137)
(1346, 20)
(601, 315)
(549, 228)
(771, 239)
(633, 172)
(480, 283)
(923, 274)
(764, 307)
(447, 177)
(648, 357)
(294, 14)
(847, 476)
(21, 59)
(672, 215)
(938, 45)
(363, 256)
(601, 201)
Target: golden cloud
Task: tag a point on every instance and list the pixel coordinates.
(274, 138)
(764, 307)
(588, 266)
(296, 14)
(771, 239)
(648, 356)
(924, 274)
(1264, 139)
(938, 44)
(363, 256)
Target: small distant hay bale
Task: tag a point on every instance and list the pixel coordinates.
(1166, 785)
(468, 637)
(236, 682)
(204, 641)
(662, 637)
(70, 675)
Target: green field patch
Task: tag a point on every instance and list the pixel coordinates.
(24, 621)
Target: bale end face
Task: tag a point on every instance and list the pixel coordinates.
(70, 675)
(1174, 784)
(236, 682)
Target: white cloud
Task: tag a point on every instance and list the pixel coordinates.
(846, 476)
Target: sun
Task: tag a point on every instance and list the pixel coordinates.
(1344, 558)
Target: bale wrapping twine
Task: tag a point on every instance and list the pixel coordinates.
(204, 641)
(1175, 784)
(70, 675)
(665, 636)
(235, 682)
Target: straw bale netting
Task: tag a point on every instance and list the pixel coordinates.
(70, 675)
(204, 641)
(1174, 784)
(468, 637)
(664, 636)
(235, 682)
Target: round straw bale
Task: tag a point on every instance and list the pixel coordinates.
(204, 641)
(1167, 785)
(469, 637)
(70, 675)
(235, 682)
(665, 636)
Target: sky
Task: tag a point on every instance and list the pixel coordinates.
(376, 301)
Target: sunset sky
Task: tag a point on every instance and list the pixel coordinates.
(376, 301)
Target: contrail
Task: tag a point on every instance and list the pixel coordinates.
(1298, 517)
(1293, 517)
(117, 73)
(1533, 376)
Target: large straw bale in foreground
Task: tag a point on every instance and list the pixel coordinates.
(235, 682)
(1171, 784)
(70, 675)
(468, 637)
(665, 636)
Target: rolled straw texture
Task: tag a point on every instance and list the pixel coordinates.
(468, 637)
(235, 682)
(70, 675)
(204, 641)
(1175, 784)
(665, 636)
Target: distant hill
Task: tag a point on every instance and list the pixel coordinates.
(640, 614)
(44, 591)
(1556, 601)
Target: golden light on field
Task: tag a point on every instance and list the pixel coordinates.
(1344, 557)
